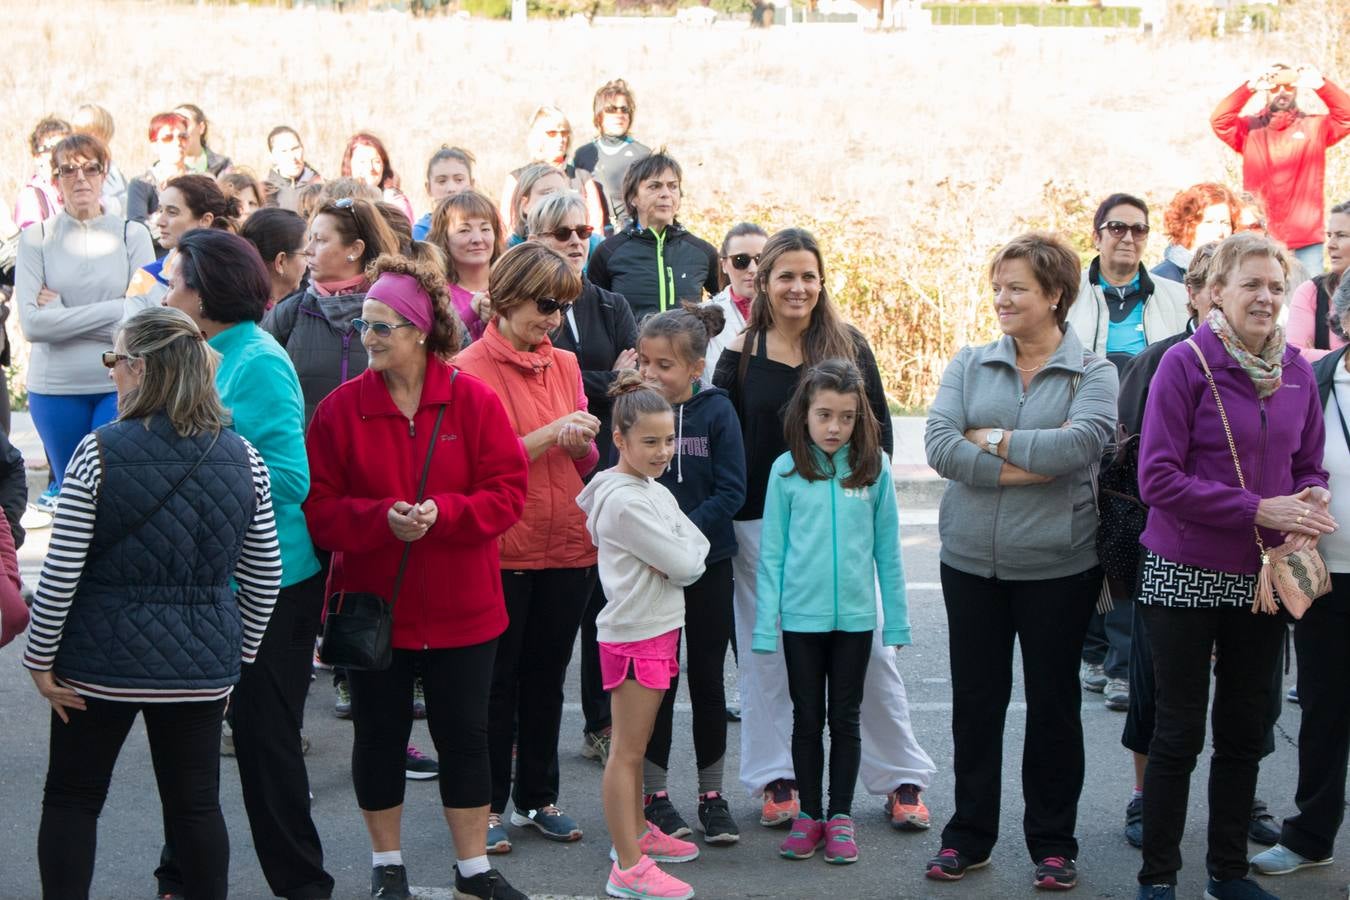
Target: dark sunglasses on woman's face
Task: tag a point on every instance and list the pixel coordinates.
(742, 261)
(562, 234)
(1118, 229)
(616, 110)
(548, 306)
(111, 358)
(381, 329)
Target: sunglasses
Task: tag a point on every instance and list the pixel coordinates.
(742, 261)
(173, 137)
(111, 358)
(70, 171)
(348, 204)
(548, 306)
(617, 110)
(556, 133)
(381, 329)
(562, 234)
(1118, 229)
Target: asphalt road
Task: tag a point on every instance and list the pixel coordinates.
(890, 866)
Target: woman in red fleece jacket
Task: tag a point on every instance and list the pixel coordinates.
(368, 443)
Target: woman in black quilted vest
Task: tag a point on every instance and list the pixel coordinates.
(136, 613)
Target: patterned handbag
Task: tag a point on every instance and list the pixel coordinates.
(1298, 576)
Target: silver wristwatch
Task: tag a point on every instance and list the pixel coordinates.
(993, 439)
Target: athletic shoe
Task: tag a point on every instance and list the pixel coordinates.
(1134, 822)
(35, 519)
(551, 822)
(1156, 892)
(595, 745)
(226, 739)
(1262, 828)
(659, 811)
(1236, 889)
(806, 837)
(840, 847)
(1117, 695)
(389, 883)
(733, 714)
(1292, 696)
(47, 501)
(489, 885)
(1092, 677)
(419, 766)
(1055, 873)
(781, 805)
(715, 821)
(419, 699)
(905, 807)
(1280, 860)
(342, 706)
(952, 865)
(646, 880)
(498, 841)
(658, 846)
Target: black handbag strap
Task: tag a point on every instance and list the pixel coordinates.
(426, 470)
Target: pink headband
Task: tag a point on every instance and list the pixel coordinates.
(404, 295)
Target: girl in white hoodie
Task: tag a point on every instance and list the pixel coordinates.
(648, 552)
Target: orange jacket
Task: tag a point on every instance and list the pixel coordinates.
(537, 387)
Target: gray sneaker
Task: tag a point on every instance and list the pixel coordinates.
(1117, 692)
(1092, 677)
(1280, 860)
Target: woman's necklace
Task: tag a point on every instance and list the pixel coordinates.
(1035, 368)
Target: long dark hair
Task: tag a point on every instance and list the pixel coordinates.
(864, 447)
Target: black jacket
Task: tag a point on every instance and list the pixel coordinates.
(1136, 375)
(13, 487)
(598, 327)
(285, 192)
(1325, 370)
(655, 274)
(707, 475)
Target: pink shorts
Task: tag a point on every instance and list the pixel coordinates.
(651, 662)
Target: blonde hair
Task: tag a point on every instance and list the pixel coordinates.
(178, 377)
(530, 176)
(1237, 249)
(552, 211)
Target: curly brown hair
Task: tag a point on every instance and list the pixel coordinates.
(446, 335)
(1188, 207)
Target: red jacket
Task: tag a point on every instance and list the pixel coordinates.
(538, 387)
(1284, 159)
(364, 455)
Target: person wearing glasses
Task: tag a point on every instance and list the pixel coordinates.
(547, 559)
(549, 139)
(1196, 216)
(739, 258)
(279, 237)
(39, 199)
(606, 159)
(466, 226)
(1312, 327)
(168, 541)
(1284, 151)
(600, 329)
(315, 327)
(71, 284)
(449, 171)
(168, 142)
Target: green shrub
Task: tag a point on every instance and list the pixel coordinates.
(1033, 14)
(487, 9)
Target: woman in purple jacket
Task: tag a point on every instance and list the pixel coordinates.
(1201, 559)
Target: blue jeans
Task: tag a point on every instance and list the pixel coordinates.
(1310, 258)
(62, 421)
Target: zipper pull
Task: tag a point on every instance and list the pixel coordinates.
(412, 432)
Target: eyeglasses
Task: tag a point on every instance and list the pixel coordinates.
(742, 261)
(71, 172)
(558, 133)
(1118, 229)
(615, 110)
(172, 137)
(548, 306)
(111, 358)
(381, 329)
(561, 234)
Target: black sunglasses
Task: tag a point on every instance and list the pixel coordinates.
(614, 109)
(1118, 229)
(548, 306)
(743, 260)
(562, 234)
(381, 329)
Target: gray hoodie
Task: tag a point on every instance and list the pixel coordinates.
(1059, 426)
(318, 335)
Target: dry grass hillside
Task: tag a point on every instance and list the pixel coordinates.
(913, 154)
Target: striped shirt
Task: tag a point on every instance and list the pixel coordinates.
(257, 573)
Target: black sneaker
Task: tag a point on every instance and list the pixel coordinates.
(489, 885)
(952, 865)
(1134, 822)
(662, 813)
(418, 766)
(1055, 873)
(1262, 827)
(715, 821)
(389, 883)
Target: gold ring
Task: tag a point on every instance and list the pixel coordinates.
(1301, 517)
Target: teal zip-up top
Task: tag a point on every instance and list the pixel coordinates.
(822, 547)
(258, 384)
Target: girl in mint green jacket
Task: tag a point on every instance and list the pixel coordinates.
(831, 533)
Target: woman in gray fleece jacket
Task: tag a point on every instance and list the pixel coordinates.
(1016, 427)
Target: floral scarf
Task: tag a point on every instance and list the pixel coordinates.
(1264, 368)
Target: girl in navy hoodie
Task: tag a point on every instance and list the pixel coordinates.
(707, 477)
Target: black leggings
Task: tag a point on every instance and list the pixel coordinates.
(456, 683)
(833, 664)
(707, 634)
(185, 750)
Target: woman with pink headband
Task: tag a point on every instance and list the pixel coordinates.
(430, 467)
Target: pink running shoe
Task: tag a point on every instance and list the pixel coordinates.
(807, 836)
(658, 846)
(645, 880)
(840, 848)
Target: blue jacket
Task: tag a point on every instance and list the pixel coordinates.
(707, 475)
(824, 549)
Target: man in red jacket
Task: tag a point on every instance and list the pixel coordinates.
(1284, 152)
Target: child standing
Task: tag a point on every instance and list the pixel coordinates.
(831, 493)
(648, 551)
(707, 478)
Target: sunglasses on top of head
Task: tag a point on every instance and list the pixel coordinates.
(1118, 229)
(548, 306)
(742, 261)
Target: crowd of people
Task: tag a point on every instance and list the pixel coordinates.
(264, 399)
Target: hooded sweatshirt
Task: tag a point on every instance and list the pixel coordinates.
(637, 526)
(707, 475)
(317, 333)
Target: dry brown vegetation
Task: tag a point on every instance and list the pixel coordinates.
(911, 154)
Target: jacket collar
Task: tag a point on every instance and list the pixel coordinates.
(1068, 356)
(374, 399)
(500, 349)
(232, 338)
(1094, 275)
